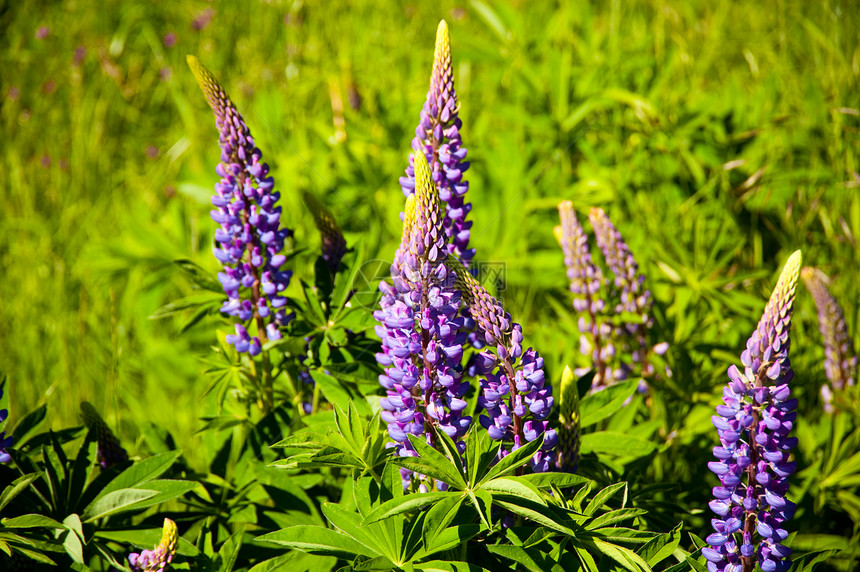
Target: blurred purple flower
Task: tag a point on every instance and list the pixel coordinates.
(42, 32)
(169, 40)
(5, 442)
(840, 360)
(202, 20)
(753, 459)
(251, 237)
(80, 54)
(333, 243)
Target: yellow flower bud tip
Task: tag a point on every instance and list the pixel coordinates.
(169, 537)
(557, 233)
(215, 94)
(442, 54)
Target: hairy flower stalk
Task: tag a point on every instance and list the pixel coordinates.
(634, 298)
(840, 361)
(568, 423)
(251, 237)
(157, 559)
(438, 137)
(421, 332)
(513, 389)
(5, 441)
(109, 451)
(753, 457)
(333, 243)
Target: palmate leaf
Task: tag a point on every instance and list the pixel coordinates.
(532, 560)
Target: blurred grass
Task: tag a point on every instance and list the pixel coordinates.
(719, 137)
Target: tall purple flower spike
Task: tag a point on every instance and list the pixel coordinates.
(438, 137)
(251, 237)
(840, 361)
(635, 298)
(422, 334)
(513, 389)
(753, 459)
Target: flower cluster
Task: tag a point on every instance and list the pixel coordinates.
(422, 337)
(513, 389)
(157, 559)
(753, 459)
(5, 441)
(568, 423)
(599, 301)
(333, 243)
(109, 452)
(438, 137)
(840, 361)
(251, 238)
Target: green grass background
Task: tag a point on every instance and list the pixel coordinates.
(718, 136)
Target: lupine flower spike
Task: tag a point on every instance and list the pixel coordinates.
(635, 299)
(109, 452)
(585, 282)
(159, 558)
(422, 342)
(840, 361)
(438, 137)
(5, 441)
(333, 243)
(513, 389)
(753, 457)
(251, 237)
(568, 423)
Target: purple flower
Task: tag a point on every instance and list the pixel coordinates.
(421, 332)
(333, 243)
(514, 392)
(438, 137)
(109, 452)
(840, 361)
(159, 558)
(753, 459)
(250, 238)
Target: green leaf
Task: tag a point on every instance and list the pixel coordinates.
(439, 517)
(115, 501)
(432, 463)
(406, 503)
(617, 444)
(598, 406)
(15, 488)
(615, 516)
(661, 547)
(531, 560)
(25, 426)
(73, 546)
(139, 473)
(31, 521)
(624, 556)
(515, 487)
(34, 555)
(318, 540)
(167, 490)
(604, 495)
(350, 523)
(449, 566)
(560, 480)
(229, 551)
(337, 394)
